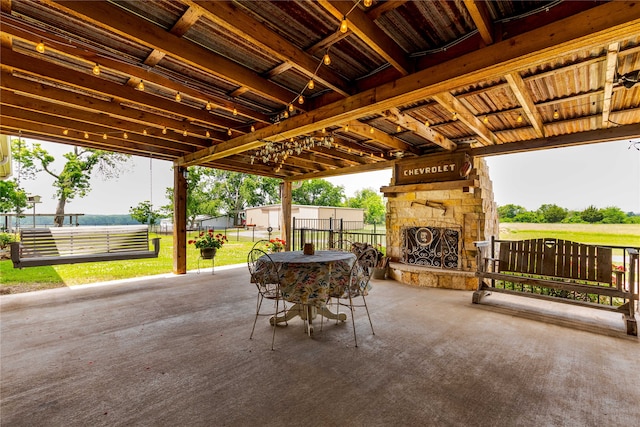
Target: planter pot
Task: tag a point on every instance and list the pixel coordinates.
(207, 253)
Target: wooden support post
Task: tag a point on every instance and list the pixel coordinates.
(179, 219)
(286, 214)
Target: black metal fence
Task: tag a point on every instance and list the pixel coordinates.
(323, 233)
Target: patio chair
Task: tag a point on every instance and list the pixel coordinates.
(265, 275)
(341, 245)
(358, 286)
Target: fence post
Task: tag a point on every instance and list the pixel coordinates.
(302, 237)
(293, 235)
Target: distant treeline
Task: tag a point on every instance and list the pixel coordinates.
(556, 214)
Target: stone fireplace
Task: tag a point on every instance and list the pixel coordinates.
(437, 207)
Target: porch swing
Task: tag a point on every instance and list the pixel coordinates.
(74, 245)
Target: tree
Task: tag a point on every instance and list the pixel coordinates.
(12, 198)
(552, 213)
(213, 191)
(371, 202)
(591, 214)
(613, 215)
(318, 192)
(507, 213)
(74, 179)
(531, 217)
(144, 213)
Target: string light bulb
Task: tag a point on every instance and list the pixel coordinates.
(290, 107)
(367, 3)
(164, 130)
(311, 84)
(144, 132)
(86, 135)
(301, 99)
(65, 132)
(346, 128)
(184, 133)
(556, 115)
(371, 130)
(235, 111)
(140, 86)
(40, 47)
(398, 128)
(104, 136)
(344, 27)
(326, 59)
(125, 135)
(208, 106)
(519, 119)
(253, 128)
(178, 97)
(229, 132)
(324, 130)
(285, 114)
(455, 115)
(486, 119)
(96, 70)
(207, 134)
(426, 123)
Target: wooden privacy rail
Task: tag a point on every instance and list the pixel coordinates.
(562, 270)
(71, 245)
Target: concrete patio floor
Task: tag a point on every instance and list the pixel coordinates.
(175, 351)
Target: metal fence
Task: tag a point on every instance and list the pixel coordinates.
(323, 233)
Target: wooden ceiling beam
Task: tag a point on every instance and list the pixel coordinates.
(389, 141)
(588, 29)
(383, 7)
(17, 29)
(457, 108)
(52, 133)
(365, 29)
(235, 21)
(90, 83)
(56, 126)
(579, 138)
(27, 92)
(482, 19)
(521, 93)
(610, 75)
(419, 128)
(113, 19)
(388, 164)
(55, 114)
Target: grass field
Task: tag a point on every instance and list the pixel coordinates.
(235, 252)
(595, 234)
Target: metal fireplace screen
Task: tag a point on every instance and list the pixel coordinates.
(431, 246)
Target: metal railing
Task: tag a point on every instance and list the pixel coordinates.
(324, 232)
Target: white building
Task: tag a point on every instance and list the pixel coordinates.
(271, 215)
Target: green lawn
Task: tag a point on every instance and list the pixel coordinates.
(235, 252)
(35, 278)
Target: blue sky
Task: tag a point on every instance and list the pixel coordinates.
(606, 174)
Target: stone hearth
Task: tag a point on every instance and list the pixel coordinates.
(431, 228)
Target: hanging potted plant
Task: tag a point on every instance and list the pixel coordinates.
(208, 243)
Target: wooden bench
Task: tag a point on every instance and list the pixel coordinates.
(71, 245)
(561, 270)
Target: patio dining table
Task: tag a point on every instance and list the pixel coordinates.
(309, 280)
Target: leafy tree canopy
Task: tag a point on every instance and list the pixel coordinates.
(318, 192)
(552, 213)
(12, 198)
(144, 213)
(371, 202)
(74, 180)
